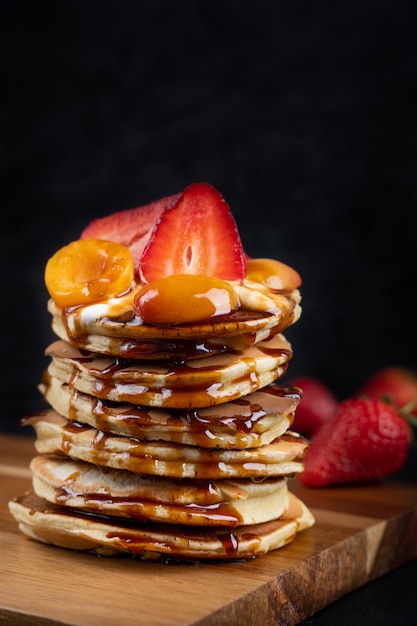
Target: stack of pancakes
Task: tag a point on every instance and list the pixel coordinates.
(166, 442)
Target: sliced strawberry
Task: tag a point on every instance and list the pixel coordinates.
(196, 234)
(131, 227)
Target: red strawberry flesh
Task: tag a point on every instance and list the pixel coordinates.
(196, 234)
(365, 441)
(131, 227)
(396, 384)
(317, 405)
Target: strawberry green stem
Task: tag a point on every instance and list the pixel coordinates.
(408, 408)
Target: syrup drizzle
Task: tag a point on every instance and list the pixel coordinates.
(181, 384)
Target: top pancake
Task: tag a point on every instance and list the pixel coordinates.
(114, 328)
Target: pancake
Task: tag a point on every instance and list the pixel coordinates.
(282, 457)
(262, 315)
(119, 493)
(248, 422)
(176, 349)
(196, 383)
(111, 536)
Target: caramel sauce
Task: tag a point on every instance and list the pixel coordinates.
(130, 326)
(244, 423)
(204, 426)
(159, 349)
(137, 538)
(230, 544)
(219, 513)
(182, 384)
(145, 458)
(236, 316)
(167, 543)
(180, 350)
(200, 394)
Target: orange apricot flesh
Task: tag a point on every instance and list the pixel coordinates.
(184, 298)
(88, 271)
(273, 274)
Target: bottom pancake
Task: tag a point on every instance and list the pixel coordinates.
(109, 536)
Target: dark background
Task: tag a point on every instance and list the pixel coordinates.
(302, 114)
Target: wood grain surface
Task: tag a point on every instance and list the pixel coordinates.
(360, 534)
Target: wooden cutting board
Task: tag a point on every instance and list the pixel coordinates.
(360, 534)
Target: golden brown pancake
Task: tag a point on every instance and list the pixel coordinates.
(83, 326)
(247, 422)
(55, 434)
(176, 349)
(119, 493)
(196, 383)
(111, 536)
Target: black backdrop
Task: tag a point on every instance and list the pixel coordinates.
(303, 114)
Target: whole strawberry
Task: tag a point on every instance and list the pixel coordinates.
(396, 384)
(317, 405)
(365, 441)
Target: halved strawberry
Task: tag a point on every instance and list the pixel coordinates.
(130, 227)
(196, 234)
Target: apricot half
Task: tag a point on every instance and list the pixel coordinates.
(87, 271)
(185, 298)
(273, 274)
